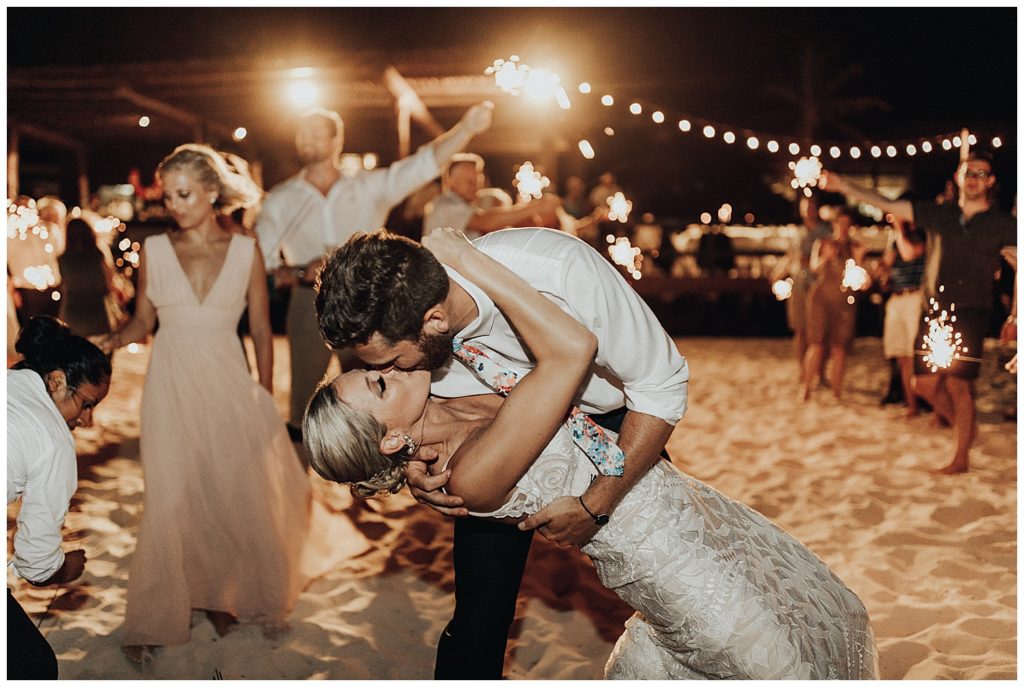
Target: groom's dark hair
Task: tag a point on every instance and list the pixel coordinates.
(378, 282)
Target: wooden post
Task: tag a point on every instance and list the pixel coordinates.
(12, 164)
(404, 128)
(83, 177)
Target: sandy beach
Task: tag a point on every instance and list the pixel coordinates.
(932, 557)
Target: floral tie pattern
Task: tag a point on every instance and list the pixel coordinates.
(587, 434)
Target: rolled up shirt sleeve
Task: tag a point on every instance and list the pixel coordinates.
(632, 344)
(634, 352)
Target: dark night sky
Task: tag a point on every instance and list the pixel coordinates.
(937, 68)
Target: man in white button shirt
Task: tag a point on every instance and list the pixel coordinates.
(456, 207)
(403, 310)
(319, 208)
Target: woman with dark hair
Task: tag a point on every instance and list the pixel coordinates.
(50, 392)
(227, 503)
(87, 281)
(719, 590)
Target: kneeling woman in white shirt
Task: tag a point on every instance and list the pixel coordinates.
(52, 390)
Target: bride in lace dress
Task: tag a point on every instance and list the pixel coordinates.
(719, 590)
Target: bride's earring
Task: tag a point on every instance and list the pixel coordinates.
(410, 445)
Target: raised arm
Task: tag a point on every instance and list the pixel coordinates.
(834, 183)
(487, 466)
(476, 121)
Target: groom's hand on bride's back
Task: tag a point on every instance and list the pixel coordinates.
(562, 522)
(426, 488)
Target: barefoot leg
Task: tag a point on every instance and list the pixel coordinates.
(961, 391)
(812, 365)
(906, 374)
(838, 369)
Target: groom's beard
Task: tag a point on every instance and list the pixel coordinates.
(436, 350)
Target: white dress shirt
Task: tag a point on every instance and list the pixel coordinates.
(41, 469)
(637, 364)
(449, 210)
(300, 223)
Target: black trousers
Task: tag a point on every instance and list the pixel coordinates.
(489, 559)
(29, 657)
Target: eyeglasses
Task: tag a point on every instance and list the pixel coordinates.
(977, 174)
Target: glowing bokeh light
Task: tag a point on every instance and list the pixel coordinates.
(619, 207)
(794, 148)
(855, 277)
(783, 289)
(891, 151)
(658, 117)
(773, 146)
(911, 149)
(926, 147)
(684, 125)
(997, 142)
(705, 218)
(608, 131)
(815, 150)
(806, 171)
(835, 151)
(143, 121)
(586, 149)
(607, 100)
(529, 182)
(302, 94)
(753, 143)
(729, 137)
(876, 151)
(946, 145)
(709, 131)
(584, 87)
(239, 133)
(634, 108)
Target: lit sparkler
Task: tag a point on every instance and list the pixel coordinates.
(618, 207)
(624, 254)
(529, 182)
(509, 75)
(783, 289)
(942, 344)
(806, 172)
(517, 78)
(855, 277)
(41, 277)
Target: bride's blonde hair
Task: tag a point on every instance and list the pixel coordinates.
(227, 173)
(342, 444)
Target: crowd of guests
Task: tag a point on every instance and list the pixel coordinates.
(195, 549)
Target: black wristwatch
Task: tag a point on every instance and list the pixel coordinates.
(599, 520)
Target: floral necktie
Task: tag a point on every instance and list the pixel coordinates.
(588, 435)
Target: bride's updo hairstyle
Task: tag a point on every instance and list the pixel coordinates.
(342, 444)
(47, 345)
(226, 173)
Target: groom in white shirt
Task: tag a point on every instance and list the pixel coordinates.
(389, 300)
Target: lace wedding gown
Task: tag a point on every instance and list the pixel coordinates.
(720, 591)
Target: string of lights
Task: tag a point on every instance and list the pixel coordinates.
(517, 78)
(794, 145)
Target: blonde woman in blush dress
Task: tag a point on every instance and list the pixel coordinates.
(227, 503)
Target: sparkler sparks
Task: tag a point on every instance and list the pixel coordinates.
(619, 208)
(624, 254)
(783, 289)
(855, 277)
(806, 172)
(942, 344)
(529, 182)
